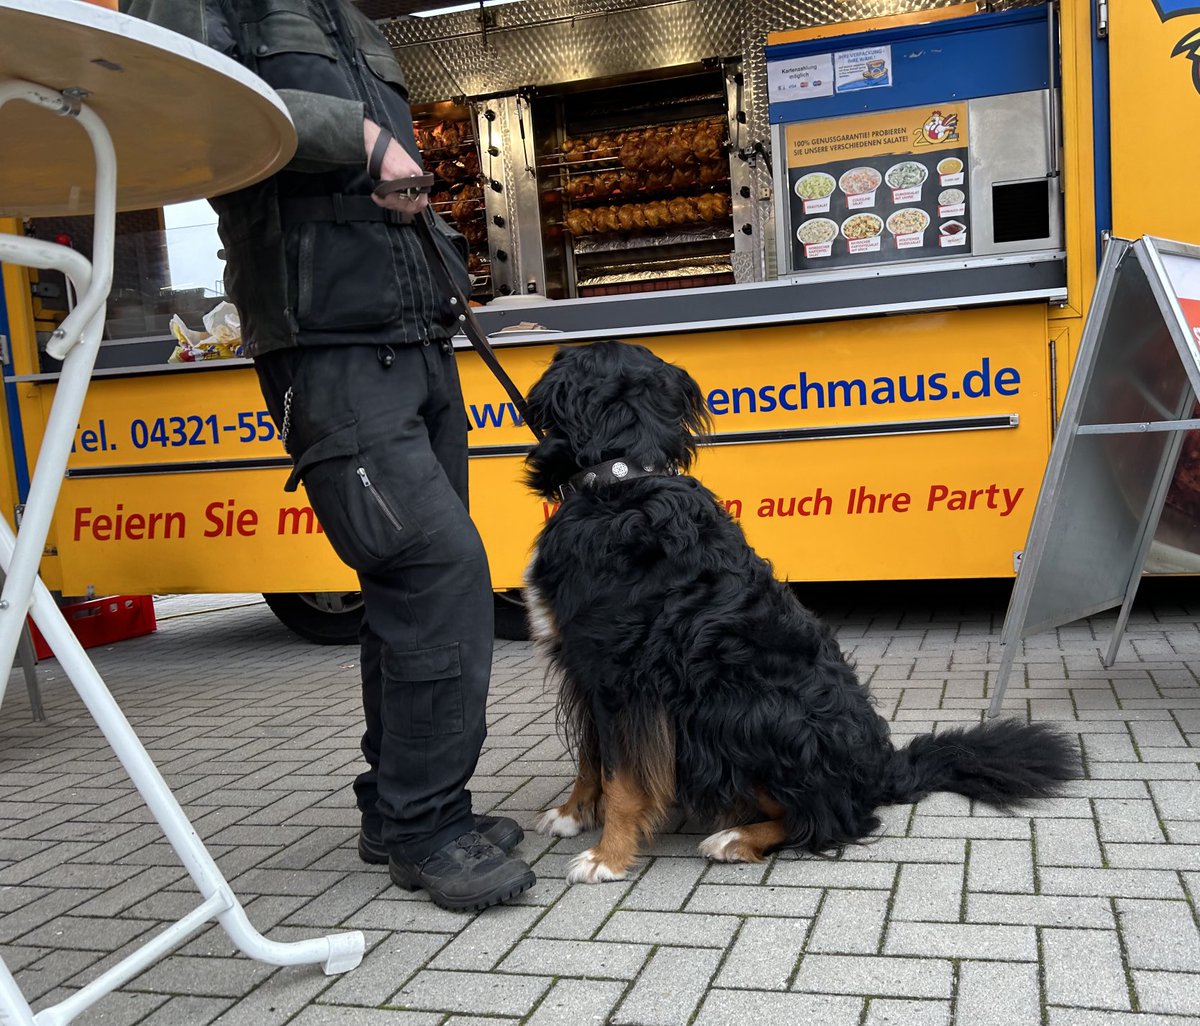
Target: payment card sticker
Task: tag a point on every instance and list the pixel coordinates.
(804, 78)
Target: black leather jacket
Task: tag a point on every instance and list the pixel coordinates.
(298, 278)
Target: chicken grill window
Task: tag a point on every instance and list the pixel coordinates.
(636, 186)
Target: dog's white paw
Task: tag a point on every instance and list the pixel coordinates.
(586, 868)
(721, 846)
(556, 824)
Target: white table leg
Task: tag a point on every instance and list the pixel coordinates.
(77, 342)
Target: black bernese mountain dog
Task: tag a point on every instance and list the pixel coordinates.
(688, 674)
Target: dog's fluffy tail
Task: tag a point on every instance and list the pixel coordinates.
(1004, 763)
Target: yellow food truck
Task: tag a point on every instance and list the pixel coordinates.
(870, 229)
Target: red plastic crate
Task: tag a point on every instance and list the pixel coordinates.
(102, 621)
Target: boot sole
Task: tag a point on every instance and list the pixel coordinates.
(374, 853)
(471, 903)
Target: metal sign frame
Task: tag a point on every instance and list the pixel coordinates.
(1117, 448)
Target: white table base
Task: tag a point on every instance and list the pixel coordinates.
(76, 342)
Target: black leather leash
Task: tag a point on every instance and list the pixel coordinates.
(413, 188)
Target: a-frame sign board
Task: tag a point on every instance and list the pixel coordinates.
(1128, 409)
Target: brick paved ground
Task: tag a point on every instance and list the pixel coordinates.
(1080, 912)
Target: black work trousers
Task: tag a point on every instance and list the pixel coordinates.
(378, 437)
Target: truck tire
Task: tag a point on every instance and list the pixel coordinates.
(333, 617)
(323, 617)
(510, 617)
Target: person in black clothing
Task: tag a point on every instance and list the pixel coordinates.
(350, 334)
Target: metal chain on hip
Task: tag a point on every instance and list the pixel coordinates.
(287, 418)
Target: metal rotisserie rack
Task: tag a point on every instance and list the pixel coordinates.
(634, 180)
(446, 138)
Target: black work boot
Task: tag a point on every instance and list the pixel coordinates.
(465, 875)
(501, 831)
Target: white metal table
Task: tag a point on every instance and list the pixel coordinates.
(83, 90)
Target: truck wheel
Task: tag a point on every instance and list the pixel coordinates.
(510, 617)
(323, 617)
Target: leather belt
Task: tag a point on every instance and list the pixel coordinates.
(339, 208)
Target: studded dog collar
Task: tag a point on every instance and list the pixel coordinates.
(611, 471)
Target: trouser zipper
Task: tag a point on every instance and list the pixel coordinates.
(380, 501)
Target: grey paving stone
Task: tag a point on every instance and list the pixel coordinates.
(998, 994)
(344, 898)
(1154, 735)
(764, 955)
(929, 892)
(1176, 799)
(55, 970)
(203, 977)
(909, 849)
(762, 900)
(739, 1007)
(257, 733)
(813, 873)
(1168, 993)
(1002, 827)
(1092, 1017)
(195, 1011)
(1152, 856)
(331, 1015)
(582, 910)
(592, 959)
(955, 940)
(82, 932)
(668, 990)
(1102, 985)
(478, 1020)
(679, 928)
(1000, 866)
(1068, 842)
(883, 976)
(482, 944)
(575, 1003)
(895, 1012)
(666, 885)
(390, 960)
(1159, 934)
(473, 993)
(394, 911)
(117, 1009)
(1041, 910)
(1131, 821)
(849, 923)
(1117, 883)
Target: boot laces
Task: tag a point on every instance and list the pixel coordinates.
(475, 846)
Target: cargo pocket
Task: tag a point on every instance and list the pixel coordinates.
(346, 277)
(367, 524)
(423, 691)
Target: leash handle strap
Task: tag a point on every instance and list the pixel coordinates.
(471, 326)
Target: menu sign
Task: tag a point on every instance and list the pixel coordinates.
(878, 187)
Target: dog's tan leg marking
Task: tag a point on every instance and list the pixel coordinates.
(581, 810)
(747, 843)
(635, 803)
(628, 816)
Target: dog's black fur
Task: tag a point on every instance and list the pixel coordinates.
(661, 615)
